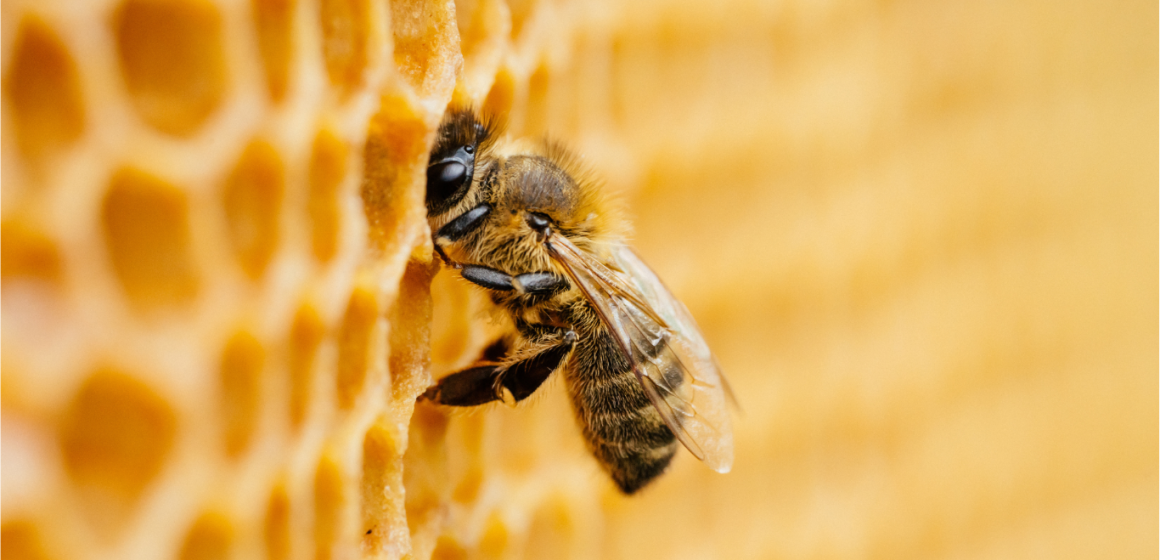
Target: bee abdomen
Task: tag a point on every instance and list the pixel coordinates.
(623, 428)
(632, 467)
(624, 431)
(641, 427)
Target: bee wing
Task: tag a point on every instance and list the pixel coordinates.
(661, 342)
(675, 314)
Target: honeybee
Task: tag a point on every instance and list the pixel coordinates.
(525, 221)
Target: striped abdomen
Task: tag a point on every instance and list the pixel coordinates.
(623, 429)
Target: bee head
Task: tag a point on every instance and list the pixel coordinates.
(545, 190)
(542, 192)
(451, 168)
(497, 201)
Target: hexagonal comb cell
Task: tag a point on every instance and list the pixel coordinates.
(382, 469)
(496, 538)
(410, 356)
(240, 372)
(20, 539)
(277, 529)
(146, 227)
(395, 156)
(329, 501)
(252, 197)
(210, 538)
(345, 34)
(426, 43)
(521, 10)
(115, 437)
(274, 23)
(172, 61)
(536, 110)
(477, 21)
(551, 531)
(27, 253)
(447, 548)
(483, 34)
(501, 95)
(43, 90)
(354, 345)
(305, 335)
(327, 170)
(425, 470)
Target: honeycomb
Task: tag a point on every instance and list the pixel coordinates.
(921, 238)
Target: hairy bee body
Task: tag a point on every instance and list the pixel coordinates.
(623, 430)
(499, 211)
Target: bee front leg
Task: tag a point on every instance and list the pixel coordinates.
(451, 231)
(462, 225)
(539, 283)
(489, 278)
(486, 383)
(532, 283)
(525, 376)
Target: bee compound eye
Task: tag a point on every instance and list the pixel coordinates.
(444, 179)
(451, 173)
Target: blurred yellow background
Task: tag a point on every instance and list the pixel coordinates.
(920, 237)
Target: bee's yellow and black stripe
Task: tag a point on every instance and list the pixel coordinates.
(623, 429)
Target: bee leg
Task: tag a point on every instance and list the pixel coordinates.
(487, 277)
(523, 378)
(535, 283)
(539, 283)
(470, 387)
(464, 224)
(457, 228)
(486, 383)
(460, 226)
